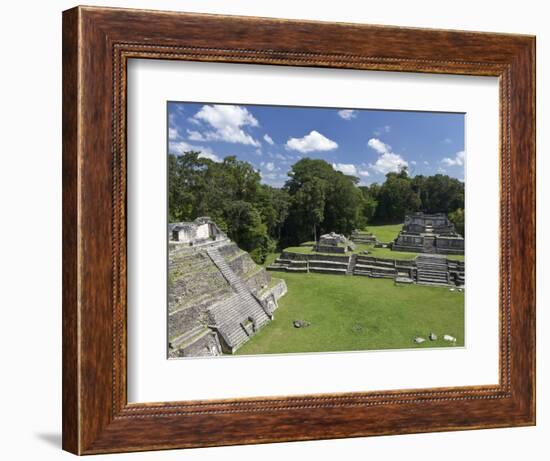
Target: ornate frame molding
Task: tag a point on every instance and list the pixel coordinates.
(97, 44)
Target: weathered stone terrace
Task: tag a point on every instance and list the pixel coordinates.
(429, 233)
(217, 296)
(363, 237)
(425, 269)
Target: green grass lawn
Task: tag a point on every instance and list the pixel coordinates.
(385, 233)
(386, 253)
(271, 257)
(358, 313)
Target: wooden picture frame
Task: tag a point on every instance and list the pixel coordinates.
(97, 43)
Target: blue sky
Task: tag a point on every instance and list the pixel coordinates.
(363, 143)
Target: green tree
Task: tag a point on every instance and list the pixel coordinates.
(309, 202)
(246, 229)
(457, 218)
(396, 198)
(344, 205)
(323, 200)
(370, 203)
(439, 193)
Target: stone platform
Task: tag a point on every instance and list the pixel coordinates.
(429, 233)
(436, 270)
(218, 298)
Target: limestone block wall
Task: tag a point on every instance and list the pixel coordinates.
(308, 257)
(187, 319)
(197, 285)
(206, 346)
(279, 289)
(185, 289)
(242, 264)
(229, 250)
(258, 280)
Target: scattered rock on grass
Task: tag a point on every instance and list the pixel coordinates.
(301, 324)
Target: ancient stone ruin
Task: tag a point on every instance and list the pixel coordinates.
(202, 230)
(429, 233)
(425, 269)
(218, 298)
(359, 236)
(334, 243)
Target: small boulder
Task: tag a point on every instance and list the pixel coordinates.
(300, 324)
(449, 338)
(433, 336)
(419, 339)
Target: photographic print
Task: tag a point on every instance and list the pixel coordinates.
(313, 229)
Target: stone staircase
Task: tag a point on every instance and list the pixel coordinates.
(233, 316)
(325, 266)
(351, 264)
(432, 270)
(298, 266)
(363, 237)
(374, 267)
(429, 244)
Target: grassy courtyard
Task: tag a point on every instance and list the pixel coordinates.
(357, 313)
(384, 233)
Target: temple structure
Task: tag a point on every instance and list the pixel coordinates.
(429, 233)
(218, 298)
(201, 230)
(334, 243)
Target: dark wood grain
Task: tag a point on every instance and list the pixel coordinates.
(97, 43)
(70, 384)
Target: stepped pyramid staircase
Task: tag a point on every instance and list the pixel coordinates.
(432, 270)
(351, 264)
(238, 317)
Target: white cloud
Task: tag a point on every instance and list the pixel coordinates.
(211, 156)
(458, 160)
(447, 141)
(269, 166)
(314, 141)
(346, 168)
(173, 134)
(180, 147)
(388, 161)
(364, 173)
(280, 157)
(271, 176)
(413, 162)
(273, 179)
(195, 136)
(347, 114)
(268, 139)
(379, 146)
(227, 123)
(426, 162)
